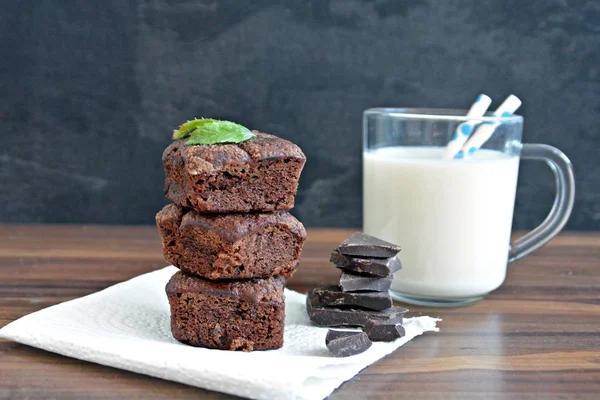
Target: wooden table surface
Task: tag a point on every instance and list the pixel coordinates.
(536, 337)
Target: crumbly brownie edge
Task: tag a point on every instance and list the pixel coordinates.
(249, 317)
(232, 183)
(201, 245)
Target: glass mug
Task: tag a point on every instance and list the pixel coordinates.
(452, 218)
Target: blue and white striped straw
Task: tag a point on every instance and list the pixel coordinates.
(464, 130)
(486, 130)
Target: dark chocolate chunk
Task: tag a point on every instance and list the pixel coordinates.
(345, 344)
(383, 331)
(332, 296)
(367, 266)
(352, 283)
(328, 316)
(363, 245)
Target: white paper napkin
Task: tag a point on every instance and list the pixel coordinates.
(127, 326)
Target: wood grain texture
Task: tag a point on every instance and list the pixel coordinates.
(536, 337)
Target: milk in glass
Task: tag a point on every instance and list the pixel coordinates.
(452, 217)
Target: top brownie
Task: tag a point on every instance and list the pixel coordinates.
(260, 174)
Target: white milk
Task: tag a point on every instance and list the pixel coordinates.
(452, 218)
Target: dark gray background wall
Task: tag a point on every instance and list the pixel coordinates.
(91, 90)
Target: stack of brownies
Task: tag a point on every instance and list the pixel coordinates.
(361, 299)
(230, 234)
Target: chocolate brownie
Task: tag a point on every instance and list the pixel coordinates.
(231, 246)
(229, 315)
(260, 174)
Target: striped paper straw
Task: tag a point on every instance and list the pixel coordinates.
(464, 130)
(486, 130)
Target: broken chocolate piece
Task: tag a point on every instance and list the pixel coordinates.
(332, 296)
(352, 283)
(368, 266)
(345, 344)
(363, 245)
(327, 316)
(383, 331)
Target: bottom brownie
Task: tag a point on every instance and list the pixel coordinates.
(229, 315)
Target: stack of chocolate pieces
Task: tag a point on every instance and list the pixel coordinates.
(361, 298)
(231, 235)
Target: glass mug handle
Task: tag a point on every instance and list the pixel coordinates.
(563, 202)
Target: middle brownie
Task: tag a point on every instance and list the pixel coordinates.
(231, 246)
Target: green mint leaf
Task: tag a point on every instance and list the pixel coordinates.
(188, 126)
(219, 132)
